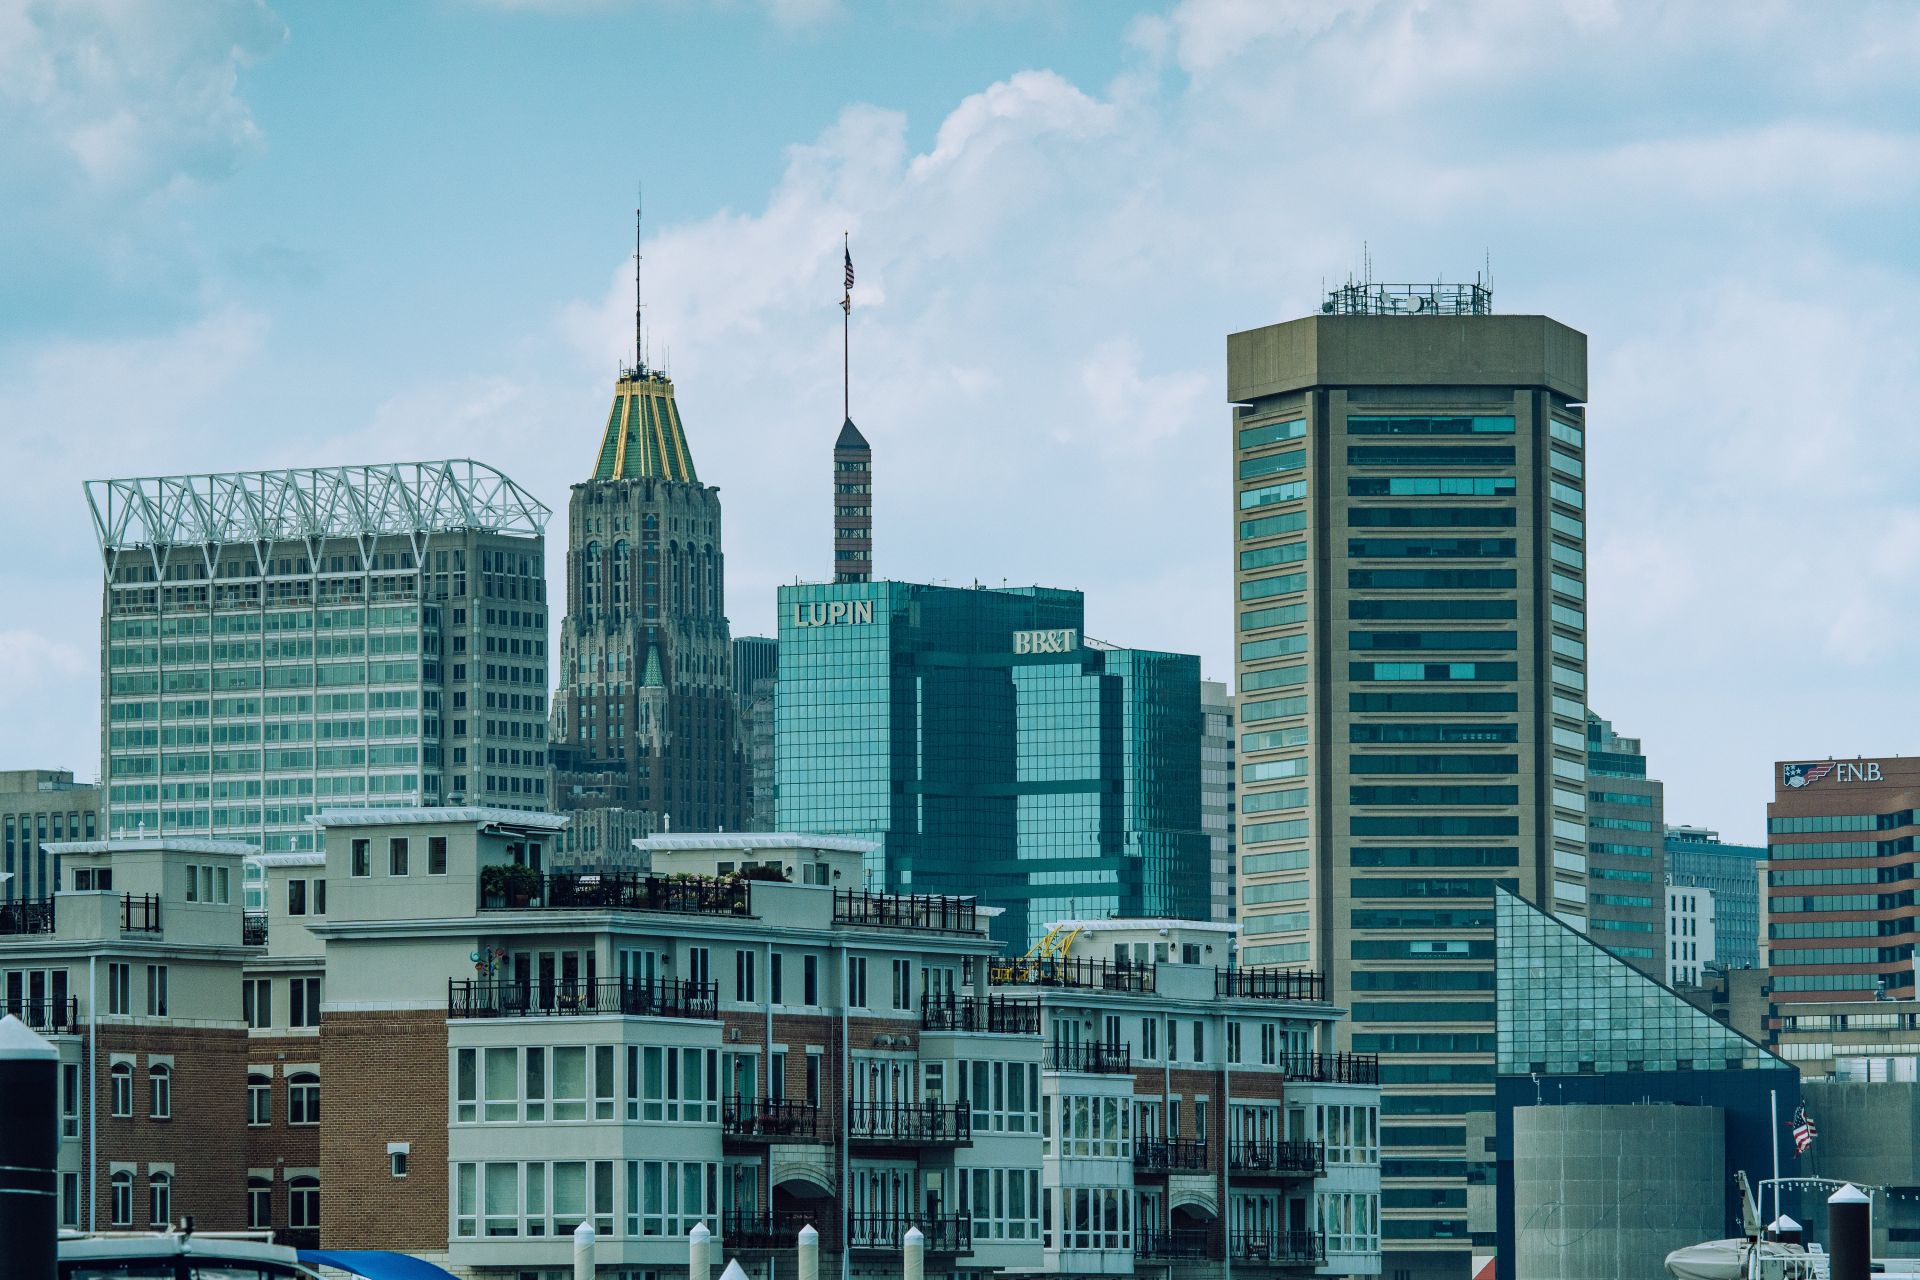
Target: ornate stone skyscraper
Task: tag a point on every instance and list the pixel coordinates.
(644, 718)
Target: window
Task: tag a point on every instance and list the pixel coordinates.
(303, 1098)
(69, 1099)
(122, 1209)
(121, 1084)
(856, 982)
(120, 989)
(903, 984)
(259, 1098)
(160, 1091)
(743, 975)
(773, 978)
(397, 856)
(256, 999)
(303, 1202)
(259, 1204)
(362, 858)
(810, 980)
(296, 897)
(160, 1199)
(436, 855)
(397, 1163)
(157, 990)
(813, 1077)
(303, 1002)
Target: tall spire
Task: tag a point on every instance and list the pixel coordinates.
(852, 466)
(639, 296)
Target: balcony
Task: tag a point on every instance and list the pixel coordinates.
(763, 1230)
(1332, 1068)
(660, 998)
(49, 1017)
(1090, 975)
(140, 913)
(1181, 1244)
(1169, 1155)
(910, 1124)
(906, 911)
(28, 915)
(1091, 1059)
(995, 1014)
(1271, 984)
(1278, 1248)
(885, 1232)
(253, 929)
(616, 891)
(769, 1120)
(1254, 1158)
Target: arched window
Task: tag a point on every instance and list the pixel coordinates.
(121, 1211)
(259, 1204)
(121, 1077)
(160, 1199)
(303, 1202)
(160, 1091)
(303, 1098)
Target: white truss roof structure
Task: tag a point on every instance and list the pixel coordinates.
(407, 498)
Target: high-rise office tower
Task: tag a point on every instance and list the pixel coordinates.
(1626, 851)
(991, 749)
(1217, 793)
(643, 715)
(276, 642)
(1411, 630)
(38, 806)
(852, 506)
(756, 668)
(1698, 858)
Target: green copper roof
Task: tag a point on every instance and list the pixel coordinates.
(644, 438)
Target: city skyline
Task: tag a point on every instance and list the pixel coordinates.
(220, 219)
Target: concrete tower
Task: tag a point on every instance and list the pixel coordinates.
(852, 506)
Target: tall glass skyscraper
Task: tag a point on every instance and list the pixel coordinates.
(992, 750)
(1409, 500)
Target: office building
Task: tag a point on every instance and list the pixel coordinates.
(987, 747)
(1689, 934)
(38, 805)
(1217, 793)
(756, 666)
(1698, 857)
(1626, 871)
(852, 506)
(276, 642)
(643, 713)
(1840, 836)
(1411, 625)
(645, 1053)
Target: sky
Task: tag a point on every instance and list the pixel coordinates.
(240, 235)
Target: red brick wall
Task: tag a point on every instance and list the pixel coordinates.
(204, 1140)
(383, 1078)
(281, 1146)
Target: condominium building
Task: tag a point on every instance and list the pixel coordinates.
(37, 806)
(988, 747)
(504, 1051)
(275, 642)
(1410, 510)
(1700, 858)
(1841, 838)
(1689, 934)
(1626, 862)
(1217, 794)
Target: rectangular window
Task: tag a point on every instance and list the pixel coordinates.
(436, 855)
(296, 897)
(902, 984)
(256, 998)
(857, 982)
(156, 991)
(362, 858)
(773, 978)
(303, 1002)
(810, 980)
(120, 989)
(743, 975)
(397, 856)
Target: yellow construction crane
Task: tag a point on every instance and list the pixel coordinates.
(1043, 959)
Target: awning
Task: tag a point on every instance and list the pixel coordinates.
(375, 1264)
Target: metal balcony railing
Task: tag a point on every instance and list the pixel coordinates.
(1279, 1248)
(1333, 1068)
(769, 1120)
(906, 910)
(28, 915)
(1169, 1155)
(659, 998)
(622, 891)
(995, 1014)
(947, 1233)
(53, 1017)
(918, 1124)
(1254, 1157)
(1179, 1244)
(763, 1230)
(140, 913)
(253, 929)
(1093, 975)
(1271, 984)
(1094, 1058)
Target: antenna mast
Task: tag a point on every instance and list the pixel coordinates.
(639, 304)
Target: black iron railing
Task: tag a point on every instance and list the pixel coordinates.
(659, 998)
(911, 1123)
(1255, 1156)
(28, 915)
(54, 1017)
(1095, 1058)
(1169, 1155)
(763, 1230)
(253, 929)
(1333, 1068)
(1180, 1244)
(1279, 1248)
(769, 1119)
(906, 910)
(1271, 984)
(947, 1233)
(1095, 975)
(980, 1013)
(140, 913)
(623, 891)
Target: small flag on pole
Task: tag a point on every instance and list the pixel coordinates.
(1804, 1132)
(846, 301)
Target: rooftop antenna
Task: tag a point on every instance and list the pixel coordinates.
(639, 304)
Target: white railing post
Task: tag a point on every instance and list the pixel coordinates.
(699, 1241)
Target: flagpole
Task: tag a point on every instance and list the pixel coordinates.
(1773, 1106)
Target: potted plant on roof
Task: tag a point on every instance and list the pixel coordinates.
(514, 884)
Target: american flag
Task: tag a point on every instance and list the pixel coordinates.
(846, 302)
(1803, 1132)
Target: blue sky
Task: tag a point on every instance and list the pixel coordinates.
(248, 235)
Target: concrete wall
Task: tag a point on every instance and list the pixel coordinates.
(1606, 1192)
(1868, 1134)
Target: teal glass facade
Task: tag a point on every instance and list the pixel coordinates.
(991, 750)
